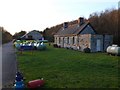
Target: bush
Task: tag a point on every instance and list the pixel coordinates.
(55, 45)
(87, 50)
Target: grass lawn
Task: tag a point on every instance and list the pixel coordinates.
(62, 68)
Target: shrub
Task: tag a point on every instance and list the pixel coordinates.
(86, 50)
(55, 45)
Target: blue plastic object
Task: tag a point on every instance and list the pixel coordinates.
(19, 83)
(27, 47)
(19, 86)
(19, 76)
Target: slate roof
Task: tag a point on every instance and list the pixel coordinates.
(72, 29)
(29, 33)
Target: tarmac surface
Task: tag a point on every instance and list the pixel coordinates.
(9, 65)
(0, 66)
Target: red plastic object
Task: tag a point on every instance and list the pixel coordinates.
(35, 83)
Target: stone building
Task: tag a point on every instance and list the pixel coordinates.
(80, 36)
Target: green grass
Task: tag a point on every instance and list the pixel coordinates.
(62, 68)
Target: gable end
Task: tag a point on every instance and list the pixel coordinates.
(88, 29)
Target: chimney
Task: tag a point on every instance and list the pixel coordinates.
(80, 21)
(65, 25)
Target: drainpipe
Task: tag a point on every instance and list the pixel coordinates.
(103, 41)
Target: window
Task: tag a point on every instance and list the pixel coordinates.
(56, 39)
(67, 40)
(73, 40)
(78, 40)
(59, 40)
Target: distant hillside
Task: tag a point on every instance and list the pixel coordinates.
(104, 23)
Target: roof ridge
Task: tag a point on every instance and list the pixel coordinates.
(72, 29)
(81, 27)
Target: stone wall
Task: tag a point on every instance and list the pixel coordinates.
(84, 41)
(80, 42)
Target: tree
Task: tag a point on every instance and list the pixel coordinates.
(19, 34)
(107, 23)
(6, 36)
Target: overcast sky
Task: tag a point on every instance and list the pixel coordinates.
(17, 15)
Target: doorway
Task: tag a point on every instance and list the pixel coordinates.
(98, 45)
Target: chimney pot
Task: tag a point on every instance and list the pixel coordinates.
(81, 21)
(65, 25)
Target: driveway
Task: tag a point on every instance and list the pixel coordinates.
(9, 65)
(0, 67)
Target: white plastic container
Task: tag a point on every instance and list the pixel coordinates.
(114, 50)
